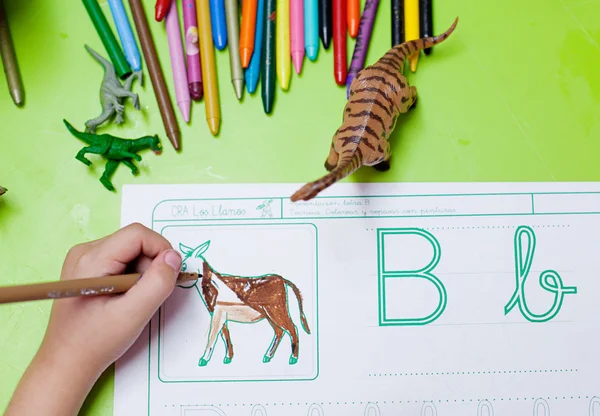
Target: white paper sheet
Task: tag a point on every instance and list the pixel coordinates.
(420, 299)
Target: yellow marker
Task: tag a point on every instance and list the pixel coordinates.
(282, 48)
(411, 28)
(209, 71)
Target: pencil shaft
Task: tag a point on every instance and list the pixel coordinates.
(194, 70)
(411, 18)
(219, 25)
(108, 38)
(426, 21)
(268, 61)
(156, 75)
(233, 36)
(311, 28)
(297, 33)
(9, 60)
(182, 91)
(282, 42)
(340, 58)
(325, 22)
(132, 53)
(248, 31)
(253, 72)
(353, 17)
(397, 22)
(209, 71)
(362, 41)
(95, 286)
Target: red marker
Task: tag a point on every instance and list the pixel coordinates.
(162, 7)
(340, 64)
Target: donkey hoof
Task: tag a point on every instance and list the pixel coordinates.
(202, 362)
(266, 359)
(226, 360)
(293, 360)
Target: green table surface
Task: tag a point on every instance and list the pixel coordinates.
(512, 95)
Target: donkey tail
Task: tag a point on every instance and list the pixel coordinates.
(299, 297)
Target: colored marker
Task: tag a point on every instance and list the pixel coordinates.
(132, 53)
(108, 38)
(411, 17)
(209, 71)
(297, 33)
(219, 25)
(311, 28)
(11, 66)
(233, 33)
(253, 72)
(282, 42)
(182, 92)
(325, 22)
(340, 64)
(426, 21)
(353, 17)
(268, 61)
(397, 22)
(248, 31)
(161, 9)
(362, 41)
(192, 49)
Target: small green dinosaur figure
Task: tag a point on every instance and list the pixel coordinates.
(115, 150)
(112, 93)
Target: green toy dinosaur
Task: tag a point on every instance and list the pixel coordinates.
(112, 93)
(115, 150)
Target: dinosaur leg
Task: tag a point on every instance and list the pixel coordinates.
(332, 159)
(90, 149)
(130, 165)
(383, 165)
(123, 93)
(90, 125)
(413, 94)
(119, 108)
(109, 170)
(130, 155)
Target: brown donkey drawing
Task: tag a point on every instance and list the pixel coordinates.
(244, 299)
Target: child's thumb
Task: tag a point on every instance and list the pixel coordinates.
(156, 283)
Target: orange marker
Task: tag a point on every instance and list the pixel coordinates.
(353, 17)
(247, 31)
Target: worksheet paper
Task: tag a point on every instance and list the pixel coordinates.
(418, 300)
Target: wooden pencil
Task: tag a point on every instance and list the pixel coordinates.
(95, 286)
(9, 60)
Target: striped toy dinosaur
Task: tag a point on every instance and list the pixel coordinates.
(378, 95)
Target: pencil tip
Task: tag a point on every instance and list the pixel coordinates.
(238, 85)
(213, 125)
(174, 138)
(312, 52)
(184, 107)
(298, 57)
(17, 96)
(245, 55)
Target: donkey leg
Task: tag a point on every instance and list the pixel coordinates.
(282, 319)
(228, 344)
(218, 320)
(274, 344)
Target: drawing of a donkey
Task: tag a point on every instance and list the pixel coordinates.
(244, 299)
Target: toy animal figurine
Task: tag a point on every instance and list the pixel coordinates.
(112, 93)
(246, 300)
(2, 191)
(115, 150)
(378, 95)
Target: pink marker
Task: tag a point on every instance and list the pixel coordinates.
(182, 91)
(297, 33)
(192, 49)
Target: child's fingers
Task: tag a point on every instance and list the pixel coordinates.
(154, 287)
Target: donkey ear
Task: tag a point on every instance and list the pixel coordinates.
(185, 249)
(202, 248)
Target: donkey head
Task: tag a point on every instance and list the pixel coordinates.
(192, 257)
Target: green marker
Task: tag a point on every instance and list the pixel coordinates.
(268, 57)
(108, 38)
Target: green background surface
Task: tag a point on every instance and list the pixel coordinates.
(512, 95)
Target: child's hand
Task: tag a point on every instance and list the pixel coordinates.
(86, 335)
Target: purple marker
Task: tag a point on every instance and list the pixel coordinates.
(192, 50)
(362, 41)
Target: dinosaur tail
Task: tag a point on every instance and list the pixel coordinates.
(105, 63)
(76, 133)
(345, 167)
(299, 298)
(399, 53)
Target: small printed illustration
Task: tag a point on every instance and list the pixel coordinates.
(485, 408)
(265, 207)
(243, 299)
(191, 41)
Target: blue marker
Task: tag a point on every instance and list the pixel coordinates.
(253, 71)
(311, 29)
(132, 53)
(218, 23)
